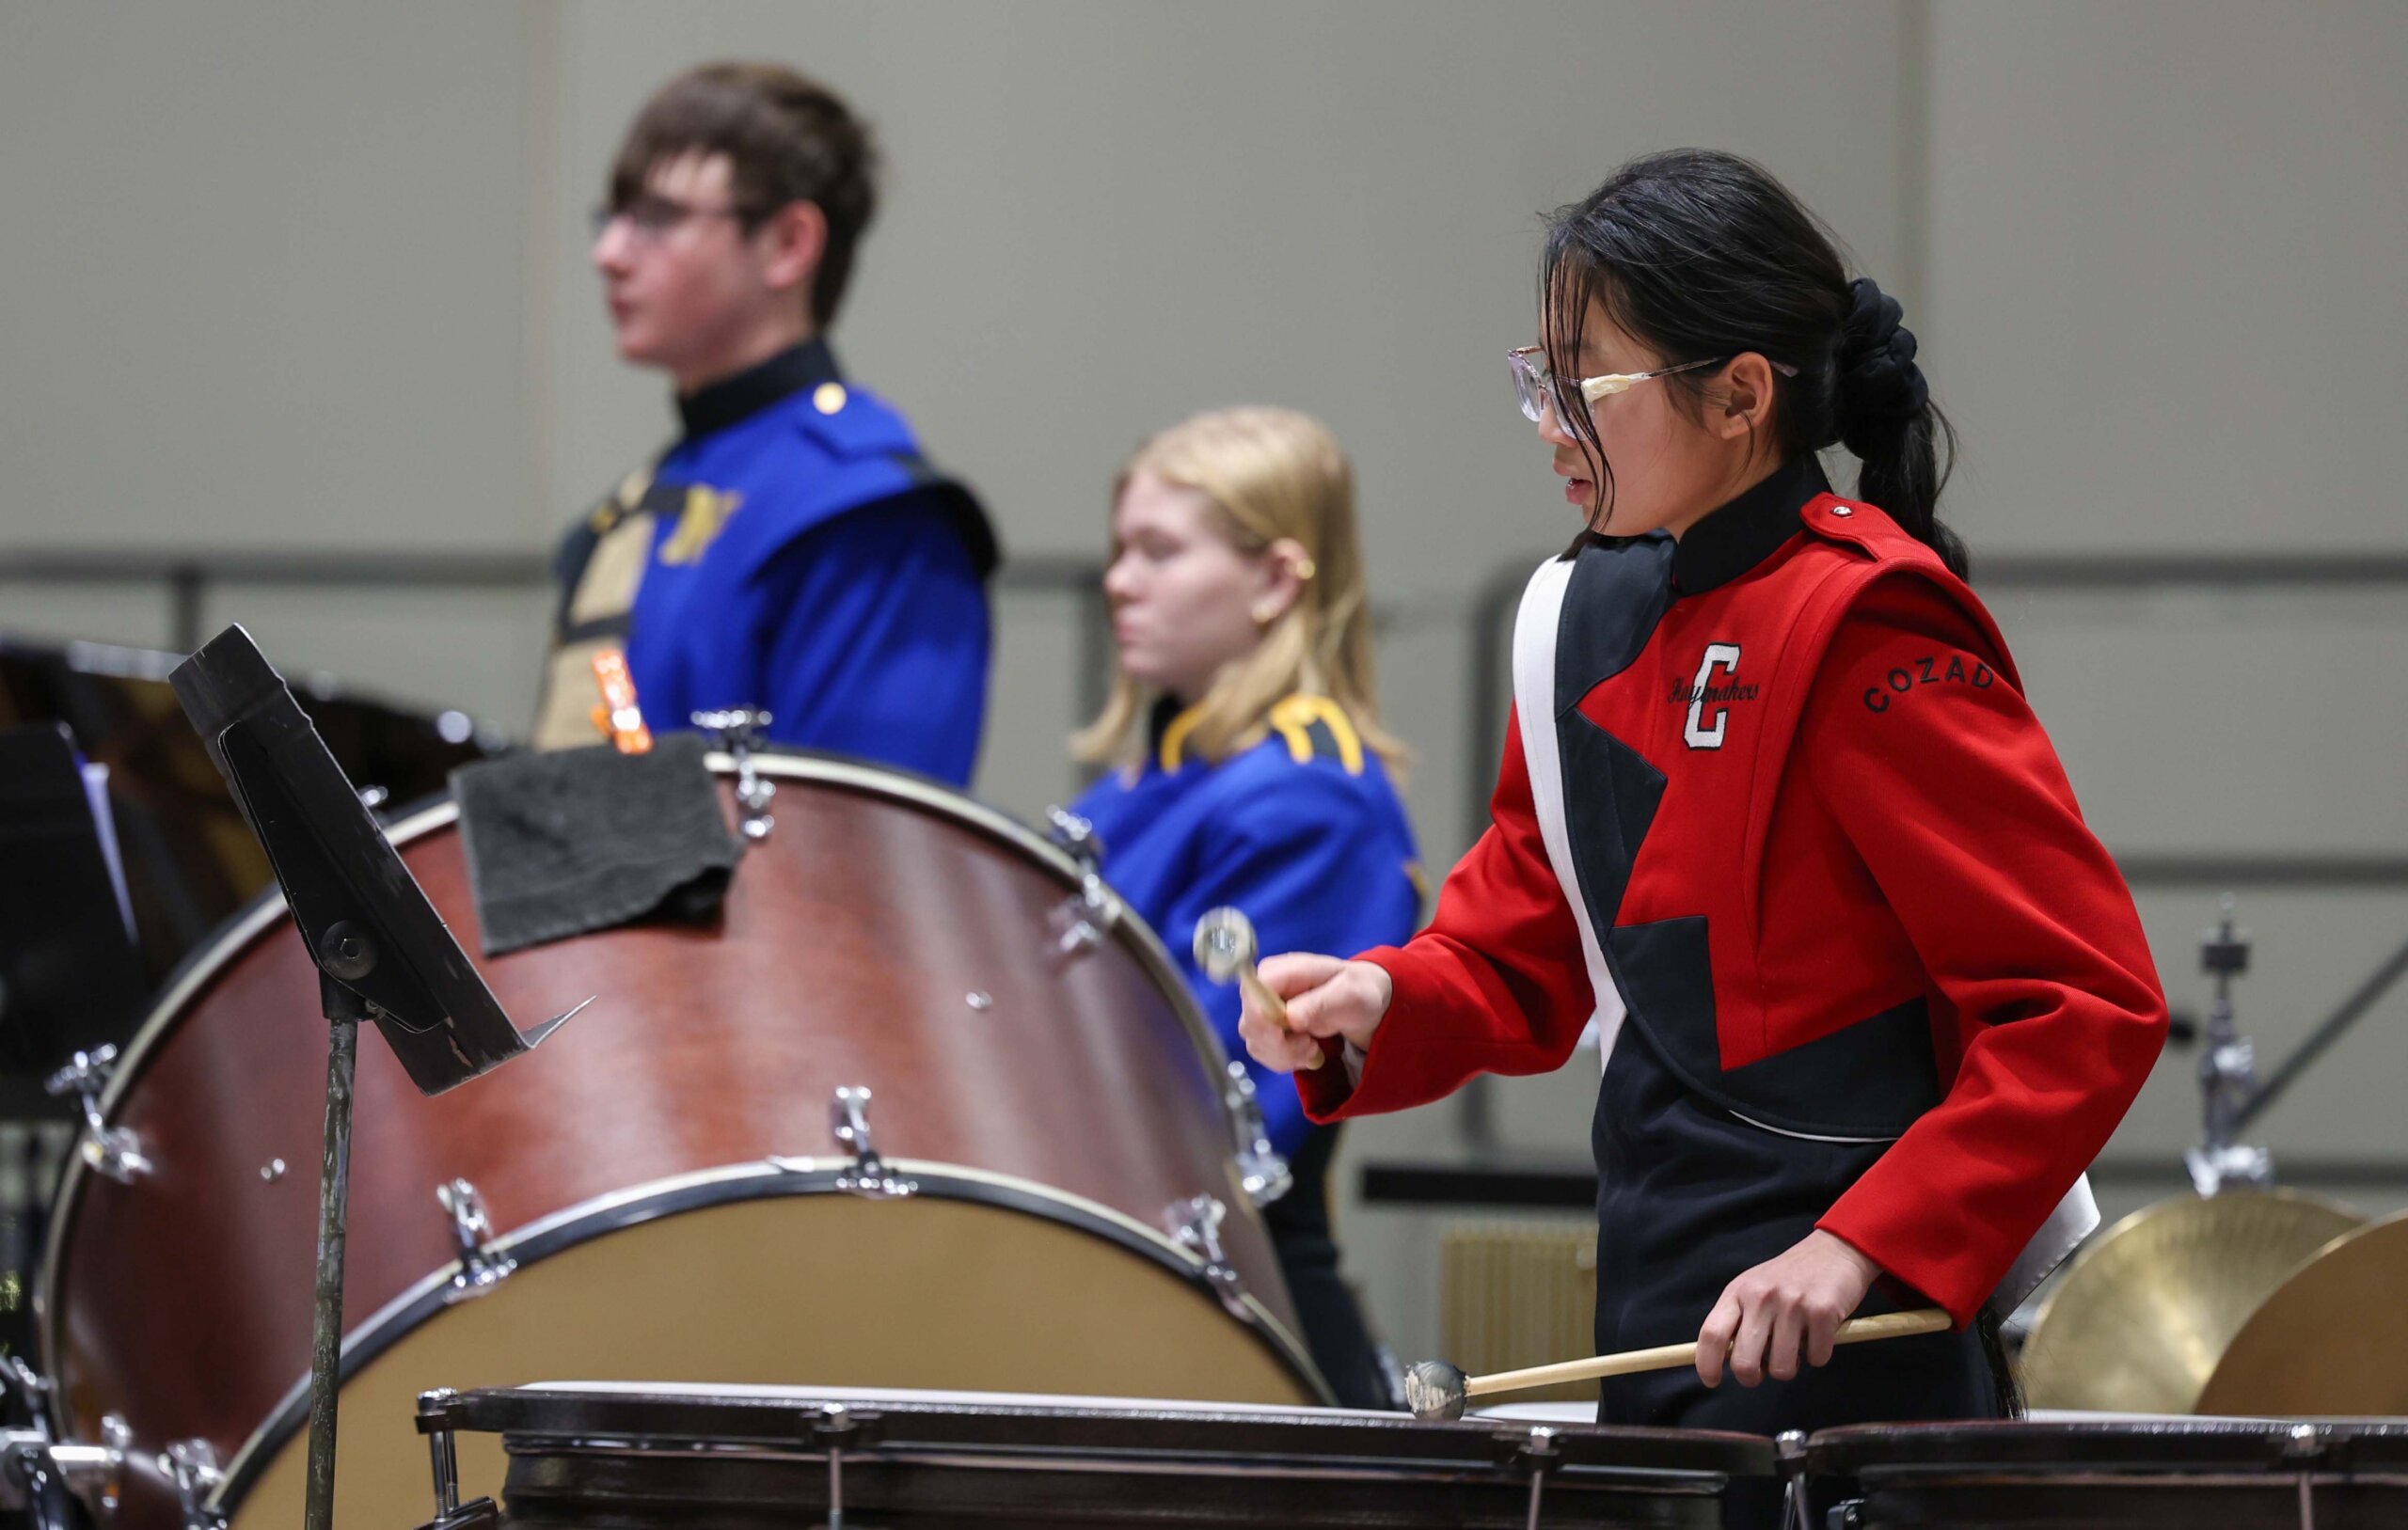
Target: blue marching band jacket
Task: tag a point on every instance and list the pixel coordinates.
(792, 551)
(1303, 833)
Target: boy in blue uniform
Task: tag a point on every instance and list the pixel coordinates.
(792, 551)
(1251, 763)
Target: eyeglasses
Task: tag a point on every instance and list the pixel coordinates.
(1539, 389)
(650, 216)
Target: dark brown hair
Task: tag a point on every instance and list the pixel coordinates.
(787, 139)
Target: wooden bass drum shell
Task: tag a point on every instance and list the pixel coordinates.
(1053, 1100)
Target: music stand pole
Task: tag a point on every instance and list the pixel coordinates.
(351, 902)
(344, 1010)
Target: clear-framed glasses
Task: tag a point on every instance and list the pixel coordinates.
(1538, 389)
(650, 215)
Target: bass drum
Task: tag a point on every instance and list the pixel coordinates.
(1060, 1205)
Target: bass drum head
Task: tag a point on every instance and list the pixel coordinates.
(776, 1289)
(887, 935)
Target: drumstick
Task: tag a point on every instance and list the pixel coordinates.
(1250, 979)
(1434, 1389)
(1224, 948)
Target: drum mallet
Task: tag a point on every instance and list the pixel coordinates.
(1224, 948)
(1435, 1389)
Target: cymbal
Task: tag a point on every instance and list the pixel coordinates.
(2141, 1317)
(2332, 1340)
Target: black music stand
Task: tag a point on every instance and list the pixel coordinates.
(382, 951)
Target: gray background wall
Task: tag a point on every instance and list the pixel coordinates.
(283, 276)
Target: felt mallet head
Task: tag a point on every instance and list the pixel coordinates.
(1433, 1390)
(1224, 944)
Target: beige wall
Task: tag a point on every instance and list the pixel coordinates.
(293, 274)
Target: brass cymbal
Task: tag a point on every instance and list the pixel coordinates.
(2142, 1316)
(2333, 1339)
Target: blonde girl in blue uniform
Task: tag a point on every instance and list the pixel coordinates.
(1247, 766)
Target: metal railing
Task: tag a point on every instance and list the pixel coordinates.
(187, 578)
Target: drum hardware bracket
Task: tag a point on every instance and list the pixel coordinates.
(1081, 920)
(30, 1479)
(112, 1151)
(37, 1469)
(738, 734)
(868, 1177)
(481, 1268)
(1262, 1174)
(2228, 1072)
(192, 1466)
(832, 1427)
(434, 1422)
(1195, 1225)
(2305, 1445)
(1538, 1452)
(1790, 1447)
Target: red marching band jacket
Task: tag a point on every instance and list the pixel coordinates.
(1800, 830)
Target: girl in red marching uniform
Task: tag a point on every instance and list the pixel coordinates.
(1774, 812)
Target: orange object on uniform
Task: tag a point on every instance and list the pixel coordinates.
(618, 718)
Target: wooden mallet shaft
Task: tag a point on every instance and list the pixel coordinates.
(1435, 1389)
(1250, 983)
(1664, 1357)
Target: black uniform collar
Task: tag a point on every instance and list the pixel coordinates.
(1735, 538)
(717, 405)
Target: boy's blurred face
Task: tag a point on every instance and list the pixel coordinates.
(687, 285)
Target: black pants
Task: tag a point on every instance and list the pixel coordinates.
(1335, 1332)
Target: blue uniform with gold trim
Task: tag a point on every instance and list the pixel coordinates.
(1303, 833)
(794, 552)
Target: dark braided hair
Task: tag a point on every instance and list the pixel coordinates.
(1699, 254)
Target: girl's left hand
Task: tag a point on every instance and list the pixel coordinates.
(1783, 1308)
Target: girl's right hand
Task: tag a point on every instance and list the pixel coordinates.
(1325, 997)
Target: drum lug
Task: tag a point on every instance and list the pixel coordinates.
(1539, 1452)
(192, 1466)
(112, 1151)
(481, 1268)
(849, 1123)
(833, 1428)
(1262, 1174)
(434, 1422)
(1081, 920)
(35, 1469)
(97, 1473)
(1790, 1448)
(739, 732)
(1195, 1225)
(2305, 1444)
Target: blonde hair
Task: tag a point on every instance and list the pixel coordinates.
(1270, 474)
